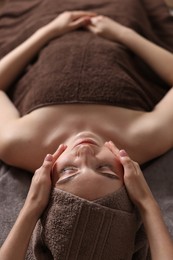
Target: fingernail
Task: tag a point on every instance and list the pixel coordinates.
(48, 158)
(123, 153)
(61, 146)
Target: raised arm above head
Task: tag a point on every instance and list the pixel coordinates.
(13, 63)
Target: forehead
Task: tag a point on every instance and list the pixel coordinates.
(90, 185)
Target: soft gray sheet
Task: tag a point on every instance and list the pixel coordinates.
(159, 175)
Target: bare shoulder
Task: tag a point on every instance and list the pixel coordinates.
(22, 141)
(151, 135)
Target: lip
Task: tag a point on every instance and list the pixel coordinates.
(85, 141)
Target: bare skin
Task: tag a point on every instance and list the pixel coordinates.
(87, 167)
(159, 239)
(134, 131)
(61, 124)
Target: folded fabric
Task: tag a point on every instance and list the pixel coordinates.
(80, 67)
(73, 228)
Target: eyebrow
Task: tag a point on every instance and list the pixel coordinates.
(104, 174)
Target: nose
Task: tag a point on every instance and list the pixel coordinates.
(85, 150)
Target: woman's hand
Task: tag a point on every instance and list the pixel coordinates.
(39, 192)
(69, 21)
(134, 180)
(106, 28)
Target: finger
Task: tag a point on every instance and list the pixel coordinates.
(48, 161)
(59, 151)
(128, 164)
(84, 21)
(91, 28)
(94, 20)
(78, 14)
(45, 167)
(112, 147)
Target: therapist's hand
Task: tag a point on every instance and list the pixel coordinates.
(134, 180)
(39, 192)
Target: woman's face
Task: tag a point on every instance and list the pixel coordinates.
(87, 168)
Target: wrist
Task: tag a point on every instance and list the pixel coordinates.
(125, 35)
(45, 34)
(31, 211)
(148, 206)
(51, 32)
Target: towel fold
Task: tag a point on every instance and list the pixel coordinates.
(73, 228)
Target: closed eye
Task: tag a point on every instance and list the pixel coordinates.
(110, 175)
(107, 170)
(68, 170)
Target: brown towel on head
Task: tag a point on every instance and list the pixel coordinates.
(73, 228)
(80, 67)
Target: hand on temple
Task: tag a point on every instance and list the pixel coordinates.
(134, 180)
(39, 192)
(160, 241)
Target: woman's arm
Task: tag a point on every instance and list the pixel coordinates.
(9, 111)
(161, 244)
(18, 239)
(158, 124)
(159, 59)
(13, 63)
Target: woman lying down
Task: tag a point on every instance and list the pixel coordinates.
(88, 217)
(95, 215)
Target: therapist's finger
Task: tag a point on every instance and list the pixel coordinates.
(112, 147)
(59, 151)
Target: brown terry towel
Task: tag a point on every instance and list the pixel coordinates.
(73, 228)
(80, 67)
